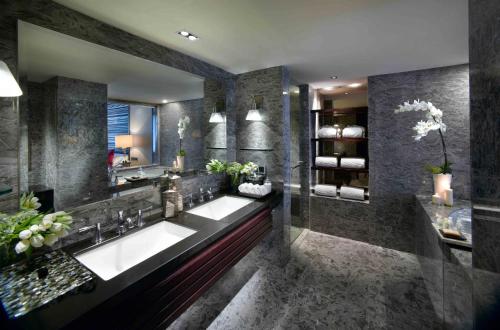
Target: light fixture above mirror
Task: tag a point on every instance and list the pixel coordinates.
(254, 113)
(8, 84)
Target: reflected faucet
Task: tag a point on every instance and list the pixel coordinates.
(121, 223)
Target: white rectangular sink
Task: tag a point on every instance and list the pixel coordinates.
(221, 207)
(115, 257)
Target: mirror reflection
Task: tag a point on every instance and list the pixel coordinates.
(97, 121)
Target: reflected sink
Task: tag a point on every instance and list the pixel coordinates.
(221, 207)
(115, 257)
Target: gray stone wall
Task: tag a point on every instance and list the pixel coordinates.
(484, 57)
(397, 162)
(9, 117)
(170, 114)
(81, 124)
(214, 134)
(266, 137)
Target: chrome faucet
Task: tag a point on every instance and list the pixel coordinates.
(140, 220)
(210, 193)
(97, 227)
(202, 197)
(121, 223)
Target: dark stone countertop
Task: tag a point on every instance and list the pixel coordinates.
(70, 306)
(435, 211)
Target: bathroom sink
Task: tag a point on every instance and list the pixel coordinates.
(220, 207)
(115, 257)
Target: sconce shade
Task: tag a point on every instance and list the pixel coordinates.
(124, 141)
(216, 117)
(254, 115)
(8, 84)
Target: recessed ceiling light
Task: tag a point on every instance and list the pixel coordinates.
(354, 85)
(164, 101)
(285, 93)
(333, 77)
(328, 88)
(346, 93)
(188, 35)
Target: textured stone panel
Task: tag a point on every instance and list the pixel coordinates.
(170, 114)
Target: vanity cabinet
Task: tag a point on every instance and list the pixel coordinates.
(160, 298)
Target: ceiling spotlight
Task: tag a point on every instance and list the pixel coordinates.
(328, 88)
(164, 101)
(285, 93)
(354, 85)
(188, 35)
(333, 77)
(346, 93)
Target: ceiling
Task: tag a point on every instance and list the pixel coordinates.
(44, 54)
(316, 39)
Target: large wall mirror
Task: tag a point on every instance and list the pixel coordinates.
(95, 119)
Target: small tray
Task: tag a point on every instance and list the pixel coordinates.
(253, 196)
(462, 238)
(135, 178)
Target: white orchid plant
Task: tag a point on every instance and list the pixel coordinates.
(433, 122)
(182, 127)
(29, 229)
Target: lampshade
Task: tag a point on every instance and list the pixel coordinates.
(254, 115)
(8, 84)
(216, 117)
(124, 141)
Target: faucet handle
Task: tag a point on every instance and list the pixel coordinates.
(97, 227)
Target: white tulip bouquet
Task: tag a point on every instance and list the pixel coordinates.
(433, 122)
(29, 229)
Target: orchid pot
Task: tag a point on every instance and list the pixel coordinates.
(442, 182)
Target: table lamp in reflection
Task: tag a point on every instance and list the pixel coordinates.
(125, 142)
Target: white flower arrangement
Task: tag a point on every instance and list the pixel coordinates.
(28, 229)
(433, 122)
(183, 126)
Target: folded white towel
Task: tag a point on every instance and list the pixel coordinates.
(325, 190)
(326, 161)
(353, 131)
(327, 132)
(352, 193)
(352, 162)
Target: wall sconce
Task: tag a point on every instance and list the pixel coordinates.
(254, 113)
(216, 117)
(8, 88)
(8, 84)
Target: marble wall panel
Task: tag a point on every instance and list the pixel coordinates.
(193, 141)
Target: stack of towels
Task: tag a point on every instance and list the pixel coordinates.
(345, 191)
(326, 132)
(352, 162)
(255, 189)
(352, 193)
(326, 161)
(325, 190)
(353, 131)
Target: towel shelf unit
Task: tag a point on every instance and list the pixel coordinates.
(350, 146)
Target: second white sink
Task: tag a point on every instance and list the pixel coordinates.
(113, 258)
(220, 207)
